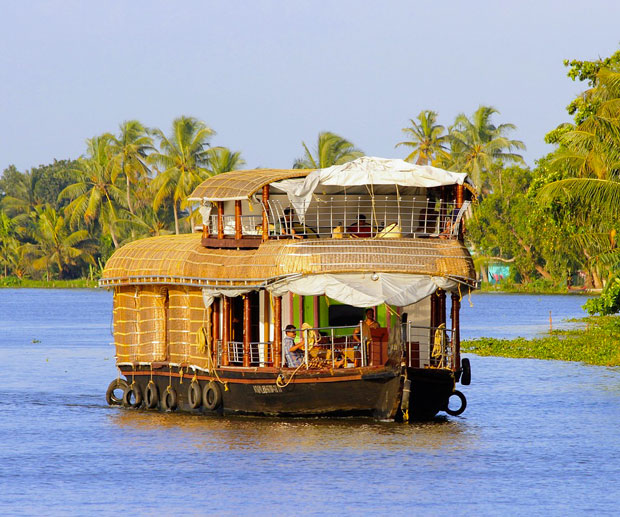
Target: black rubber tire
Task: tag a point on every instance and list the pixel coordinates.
(169, 400)
(459, 410)
(194, 395)
(133, 390)
(151, 395)
(211, 396)
(466, 372)
(110, 397)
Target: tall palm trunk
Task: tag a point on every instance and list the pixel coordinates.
(176, 217)
(128, 190)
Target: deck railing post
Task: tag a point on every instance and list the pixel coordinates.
(277, 332)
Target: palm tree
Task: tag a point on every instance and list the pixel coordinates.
(428, 139)
(24, 198)
(9, 244)
(55, 245)
(182, 160)
(222, 159)
(331, 149)
(129, 151)
(589, 161)
(95, 197)
(477, 144)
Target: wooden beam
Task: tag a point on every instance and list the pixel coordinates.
(220, 219)
(277, 341)
(238, 229)
(265, 212)
(247, 330)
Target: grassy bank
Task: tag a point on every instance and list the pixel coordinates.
(12, 281)
(597, 343)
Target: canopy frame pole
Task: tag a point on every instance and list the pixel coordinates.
(265, 212)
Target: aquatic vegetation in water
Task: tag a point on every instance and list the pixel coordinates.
(597, 343)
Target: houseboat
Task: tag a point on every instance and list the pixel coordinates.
(305, 292)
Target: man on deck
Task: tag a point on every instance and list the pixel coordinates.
(293, 353)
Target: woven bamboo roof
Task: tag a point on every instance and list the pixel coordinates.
(241, 184)
(181, 259)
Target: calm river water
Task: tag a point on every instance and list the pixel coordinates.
(537, 438)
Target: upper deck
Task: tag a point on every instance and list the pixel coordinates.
(367, 198)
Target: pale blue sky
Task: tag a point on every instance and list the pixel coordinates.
(268, 74)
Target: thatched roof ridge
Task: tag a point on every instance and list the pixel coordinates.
(241, 184)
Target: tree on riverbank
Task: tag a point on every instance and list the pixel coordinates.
(102, 200)
(331, 149)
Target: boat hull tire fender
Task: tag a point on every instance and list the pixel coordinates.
(151, 395)
(132, 396)
(194, 395)
(466, 372)
(110, 396)
(211, 396)
(456, 412)
(169, 399)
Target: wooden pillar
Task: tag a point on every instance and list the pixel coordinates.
(267, 326)
(277, 341)
(247, 330)
(456, 332)
(238, 229)
(460, 195)
(220, 219)
(442, 306)
(225, 329)
(265, 213)
(215, 320)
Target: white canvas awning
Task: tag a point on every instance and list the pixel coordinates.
(366, 289)
(366, 171)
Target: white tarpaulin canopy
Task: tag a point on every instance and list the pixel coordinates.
(366, 289)
(368, 171)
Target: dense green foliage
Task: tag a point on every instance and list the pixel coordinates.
(598, 343)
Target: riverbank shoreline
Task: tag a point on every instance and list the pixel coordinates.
(25, 283)
(597, 343)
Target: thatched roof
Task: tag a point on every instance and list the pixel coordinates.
(241, 184)
(183, 260)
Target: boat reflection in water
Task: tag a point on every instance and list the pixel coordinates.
(311, 292)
